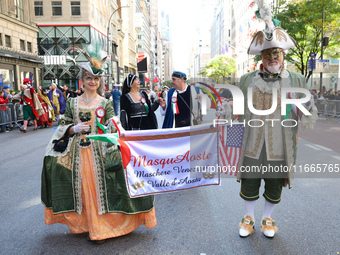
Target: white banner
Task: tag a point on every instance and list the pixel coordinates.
(167, 160)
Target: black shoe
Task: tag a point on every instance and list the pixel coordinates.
(95, 241)
(23, 130)
(34, 129)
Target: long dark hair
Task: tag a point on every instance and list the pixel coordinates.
(130, 78)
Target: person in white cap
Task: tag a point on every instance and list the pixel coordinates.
(269, 145)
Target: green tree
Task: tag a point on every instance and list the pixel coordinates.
(219, 68)
(167, 83)
(303, 21)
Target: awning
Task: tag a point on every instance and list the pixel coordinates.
(9, 55)
(31, 60)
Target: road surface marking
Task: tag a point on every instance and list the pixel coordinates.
(322, 147)
(313, 147)
(336, 157)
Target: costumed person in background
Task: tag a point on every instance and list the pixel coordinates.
(43, 93)
(30, 102)
(44, 119)
(83, 181)
(57, 99)
(270, 145)
(180, 107)
(136, 111)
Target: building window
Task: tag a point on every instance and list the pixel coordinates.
(92, 11)
(38, 8)
(75, 8)
(57, 8)
(19, 9)
(22, 45)
(114, 49)
(29, 47)
(7, 41)
(0, 39)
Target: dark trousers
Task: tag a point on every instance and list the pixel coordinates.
(251, 182)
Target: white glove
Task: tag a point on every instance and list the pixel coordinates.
(81, 128)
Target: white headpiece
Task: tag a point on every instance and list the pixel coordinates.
(272, 37)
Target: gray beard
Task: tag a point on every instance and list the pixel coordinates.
(273, 69)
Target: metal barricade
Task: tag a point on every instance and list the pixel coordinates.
(337, 110)
(321, 106)
(10, 115)
(329, 109)
(19, 115)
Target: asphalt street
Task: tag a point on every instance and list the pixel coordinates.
(198, 221)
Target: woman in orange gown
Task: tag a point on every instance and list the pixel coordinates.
(83, 181)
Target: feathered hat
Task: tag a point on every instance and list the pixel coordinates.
(96, 57)
(273, 36)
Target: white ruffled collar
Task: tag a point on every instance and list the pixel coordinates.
(267, 87)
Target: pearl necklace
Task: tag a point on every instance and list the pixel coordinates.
(87, 101)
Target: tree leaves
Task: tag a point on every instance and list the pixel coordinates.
(303, 21)
(219, 68)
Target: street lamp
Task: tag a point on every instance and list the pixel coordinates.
(108, 44)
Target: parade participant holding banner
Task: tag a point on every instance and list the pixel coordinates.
(180, 107)
(83, 181)
(269, 146)
(136, 110)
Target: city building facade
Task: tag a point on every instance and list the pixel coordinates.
(67, 28)
(46, 42)
(18, 44)
(201, 45)
(144, 41)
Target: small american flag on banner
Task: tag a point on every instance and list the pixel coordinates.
(230, 144)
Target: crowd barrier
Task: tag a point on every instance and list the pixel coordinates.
(329, 109)
(11, 114)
